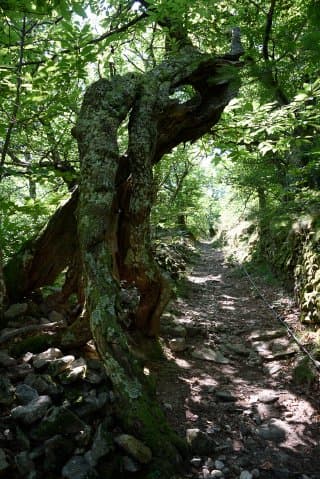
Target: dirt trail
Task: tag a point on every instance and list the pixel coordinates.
(230, 388)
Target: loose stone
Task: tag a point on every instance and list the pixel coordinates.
(25, 393)
(216, 473)
(134, 447)
(219, 465)
(76, 468)
(275, 430)
(57, 366)
(245, 475)
(129, 465)
(225, 396)
(32, 411)
(268, 396)
(196, 461)
(205, 473)
(41, 359)
(177, 345)
(208, 354)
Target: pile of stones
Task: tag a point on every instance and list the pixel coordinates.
(57, 420)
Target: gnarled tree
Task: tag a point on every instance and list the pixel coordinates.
(116, 194)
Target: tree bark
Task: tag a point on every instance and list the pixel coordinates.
(39, 261)
(2, 289)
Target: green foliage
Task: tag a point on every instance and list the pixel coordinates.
(185, 199)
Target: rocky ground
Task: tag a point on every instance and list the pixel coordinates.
(234, 383)
(229, 383)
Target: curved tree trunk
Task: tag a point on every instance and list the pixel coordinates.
(41, 260)
(115, 200)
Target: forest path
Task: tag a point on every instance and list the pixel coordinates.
(230, 388)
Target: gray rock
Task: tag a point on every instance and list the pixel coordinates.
(196, 461)
(101, 446)
(219, 465)
(205, 473)
(41, 359)
(134, 447)
(92, 403)
(7, 391)
(245, 475)
(57, 366)
(27, 357)
(3, 461)
(275, 430)
(268, 396)
(177, 345)
(44, 384)
(76, 370)
(225, 396)
(76, 468)
(6, 361)
(16, 310)
(208, 354)
(199, 442)
(32, 411)
(238, 348)
(60, 421)
(25, 393)
(25, 465)
(20, 371)
(216, 473)
(129, 465)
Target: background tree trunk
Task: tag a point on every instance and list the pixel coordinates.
(2, 289)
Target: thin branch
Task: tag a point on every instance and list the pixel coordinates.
(267, 31)
(94, 41)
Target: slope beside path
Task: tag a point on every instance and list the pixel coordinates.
(229, 384)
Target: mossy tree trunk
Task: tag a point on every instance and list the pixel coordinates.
(113, 217)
